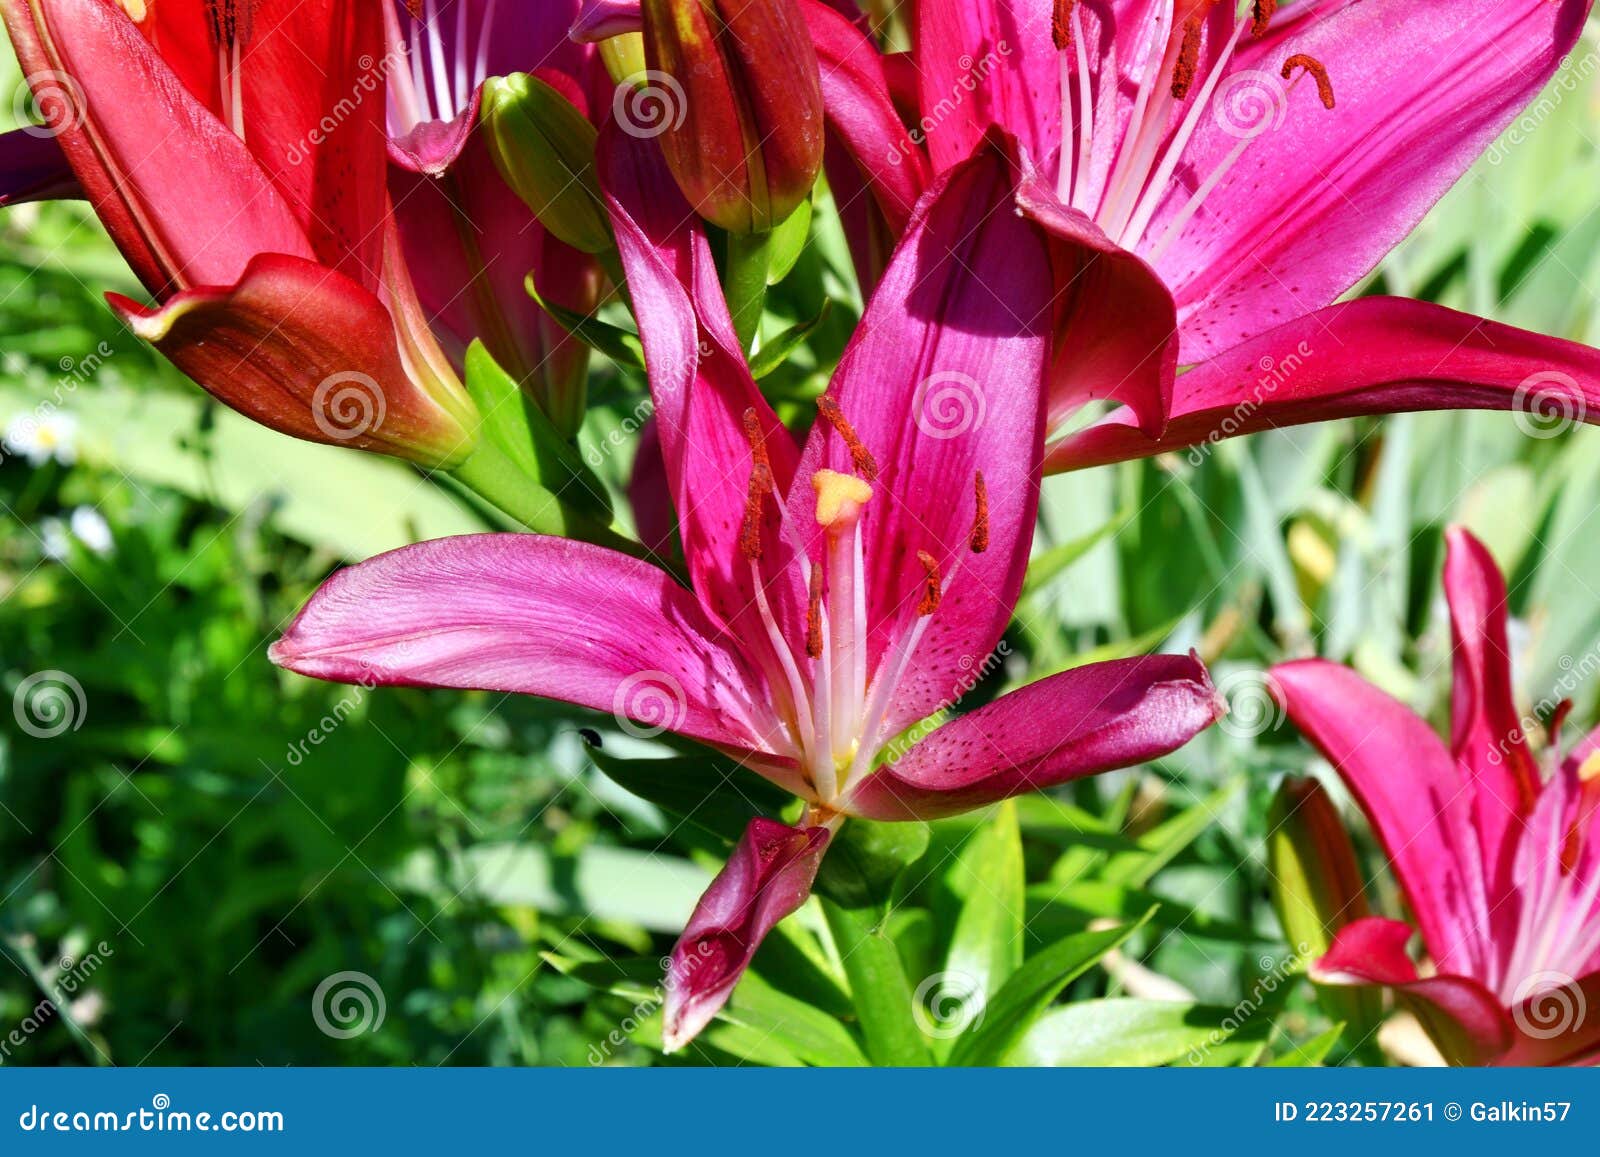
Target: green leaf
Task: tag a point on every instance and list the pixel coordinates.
(1057, 909)
(1118, 1032)
(807, 1032)
(618, 344)
(787, 242)
(986, 946)
(775, 351)
(866, 859)
(878, 985)
(1013, 1010)
(1162, 844)
(1045, 568)
(714, 795)
(1311, 1054)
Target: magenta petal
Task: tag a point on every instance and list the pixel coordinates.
(433, 146)
(1081, 722)
(768, 876)
(861, 113)
(1374, 355)
(943, 380)
(536, 616)
(1463, 1018)
(1318, 198)
(1573, 1007)
(1117, 326)
(1413, 795)
(1486, 728)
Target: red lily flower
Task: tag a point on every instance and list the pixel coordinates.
(841, 591)
(258, 220)
(469, 239)
(1494, 846)
(1212, 182)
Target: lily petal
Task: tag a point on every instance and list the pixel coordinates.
(1486, 729)
(536, 616)
(768, 876)
(305, 350)
(1558, 1026)
(1374, 355)
(944, 379)
(1318, 197)
(1463, 1018)
(182, 196)
(1413, 795)
(1078, 723)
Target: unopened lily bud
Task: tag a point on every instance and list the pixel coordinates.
(742, 130)
(544, 146)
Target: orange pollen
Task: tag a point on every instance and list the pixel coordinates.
(1262, 16)
(865, 464)
(1318, 73)
(760, 486)
(1183, 72)
(979, 542)
(1061, 24)
(933, 590)
(814, 615)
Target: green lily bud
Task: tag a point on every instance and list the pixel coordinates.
(1317, 889)
(544, 148)
(741, 126)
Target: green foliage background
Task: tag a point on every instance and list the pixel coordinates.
(224, 837)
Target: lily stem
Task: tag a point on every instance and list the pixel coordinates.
(749, 261)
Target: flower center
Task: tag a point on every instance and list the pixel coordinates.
(436, 59)
(1177, 62)
(832, 705)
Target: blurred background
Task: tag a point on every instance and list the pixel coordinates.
(204, 860)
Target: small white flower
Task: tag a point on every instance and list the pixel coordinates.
(40, 439)
(91, 529)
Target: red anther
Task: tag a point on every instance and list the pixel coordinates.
(933, 590)
(761, 485)
(865, 464)
(979, 542)
(1183, 73)
(814, 615)
(231, 21)
(1262, 16)
(757, 437)
(1318, 73)
(1061, 24)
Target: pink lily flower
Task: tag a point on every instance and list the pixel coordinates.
(842, 590)
(1494, 844)
(1214, 176)
(202, 138)
(469, 238)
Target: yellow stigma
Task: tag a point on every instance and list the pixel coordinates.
(1590, 768)
(135, 9)
(840, 497)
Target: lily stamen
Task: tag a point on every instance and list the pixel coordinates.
(932, 593)
(860, 457)
(978, 541)
(1318, 73)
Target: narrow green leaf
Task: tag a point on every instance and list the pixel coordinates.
(878, 984)
(1162, 844)
(986, 946)
(616, 343)
(1118, 1032)
(1311, 1054)
(775, 351)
